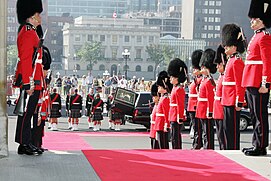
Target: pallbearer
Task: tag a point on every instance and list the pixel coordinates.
(220, 60)
(232, 91)
(193, 99)
(75, 109)
(89, 101)
(55, 106)
(97, 111)
(155, 99)
(162, 124)
(177, 71)
(257, 75)
(204, 110)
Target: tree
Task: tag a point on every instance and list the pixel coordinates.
(90, 52)
(12, 58)
(159, 54)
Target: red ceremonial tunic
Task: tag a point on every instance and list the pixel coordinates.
(258, 60)
(193, 94)
(153, 118)
(27, 41)
(45, 105)
(177, 102)
(205, 99)
(162, 114)
(218, 108)
(232, 91)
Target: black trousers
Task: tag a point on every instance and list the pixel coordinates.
(196, 124)
(37, 131)
(208, 133)
(257, 104)
(162, 138)
(176, 136)
(231, 127)
(23, 129)
(220, 133)
(154, 144)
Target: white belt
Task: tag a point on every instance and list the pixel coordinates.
(159, 114)
(173, 105)
(192, 95)
(152, 122)
(255, 62)
(98, 108)
(217, 98)
(38, 61)
(90, 102)
(202, 99)
(46, 97)
(55, 103)
(228, 83)
(40, 101)
(76, 103)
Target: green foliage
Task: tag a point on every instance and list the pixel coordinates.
(160, 55)
(90, 52)
(12, 57)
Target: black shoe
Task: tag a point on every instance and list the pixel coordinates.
(43, 149)
(25, 149)
(256, 152)
(246, 149)
(35, 149)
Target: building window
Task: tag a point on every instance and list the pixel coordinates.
(102, 67)
(217, 35)
(77, 38)
(217, 20)
(205, 3)
(114, 52)
(210, 35)
(90, 37)
(126, 39)
(102, 38)
(114, 39)
(218, 3)
(138, 53)
(150, 68)
(205, 27)
(103, 52)
(204, 11)
(218, 11)
(211, 3)
(205, 19)
(211, 19)
(198, 11)
(138, 68)
(139, 39)
(217, 28)
(203, 35)
(53, 42)
(210, 27)
(211, 11)
(151, 39)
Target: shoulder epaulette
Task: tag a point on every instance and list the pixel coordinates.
(266, 32)
(28, 27)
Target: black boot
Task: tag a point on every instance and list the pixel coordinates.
(25, 149)
(246, 149)
(256, 152)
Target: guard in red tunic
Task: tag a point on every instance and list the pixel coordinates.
(75, 109)
(177, 71)
(89, 101)
(28, 12)
(257, 75)
(232, 91)
(162, 123)
(193, 99)
(205, 102)
(155, 99)
(218, 115)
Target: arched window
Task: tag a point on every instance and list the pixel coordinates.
(150, 68)
(102, 67)
(78, 67)
(89, 67)
(138, 68)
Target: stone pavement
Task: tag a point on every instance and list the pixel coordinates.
(72, 165)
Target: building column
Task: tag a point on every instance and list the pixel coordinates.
(3, 78)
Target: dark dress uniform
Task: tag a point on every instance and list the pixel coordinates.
(55, 105)
(89, 101)
(257, 68)
(76, 106)
(97, 109)
(68, 104)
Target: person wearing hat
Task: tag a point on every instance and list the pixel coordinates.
(28, 14)
(89, 101)
(55, 112)
(177, 71)
(75, 109)
(193, 99)
(204, 110)
(97, 112)
(162, 124)
(232, 91)
(257, 75)
(218, 115)
(155, 99)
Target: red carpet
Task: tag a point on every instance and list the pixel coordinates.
(64, 141)
(166, 165)
(101, 133)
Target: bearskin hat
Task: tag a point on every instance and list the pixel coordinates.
(261, 9)
(220, 55)
(154, 90)
(177, 68)
(207, 60)
(27, 8)
(163, 81)
(196, 55)
(232, 35)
